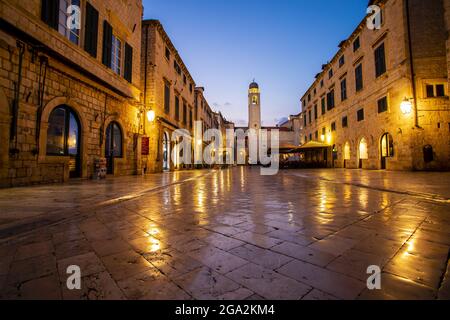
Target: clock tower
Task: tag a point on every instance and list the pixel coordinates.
(254, 106)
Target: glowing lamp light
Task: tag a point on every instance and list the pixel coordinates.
(406, 106)
(322, 137)
(151, 115)
(329, 138)
(199, 142)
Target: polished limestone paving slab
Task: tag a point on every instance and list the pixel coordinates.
(230, 234)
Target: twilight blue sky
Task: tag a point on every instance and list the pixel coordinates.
(282, 44)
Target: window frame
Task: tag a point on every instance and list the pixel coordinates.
(360, 116)
(359, 78)
(117, 57)
(380, 60)
(385, 108)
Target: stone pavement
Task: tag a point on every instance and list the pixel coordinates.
(230, 234)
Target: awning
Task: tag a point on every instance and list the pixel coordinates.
(313, 145)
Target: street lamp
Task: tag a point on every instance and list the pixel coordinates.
(151, 115)
(406, 106)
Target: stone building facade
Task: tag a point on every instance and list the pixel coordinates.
(170, 92)
(68, 96)
(382, 101)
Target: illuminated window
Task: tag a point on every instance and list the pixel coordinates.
(254, 100)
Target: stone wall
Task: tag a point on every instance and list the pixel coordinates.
(94, 92)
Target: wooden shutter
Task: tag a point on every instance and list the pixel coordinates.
(49, 13)
(128, 69)
(91, 30)
(107, 44)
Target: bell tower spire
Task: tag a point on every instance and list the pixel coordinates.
(254, 106)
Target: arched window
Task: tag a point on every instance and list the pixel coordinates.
(255, 100)
(347, 151)
(363, 151)
(113, 141)
(63, 132)
(387, 145)
(63, 137)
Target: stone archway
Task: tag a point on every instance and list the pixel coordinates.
(77, 108)
(363, 152)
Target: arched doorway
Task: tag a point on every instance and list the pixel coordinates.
(113, 145)
(166, 152)
(346, 153)
(64, 137)
(386, 148)
(363, 152)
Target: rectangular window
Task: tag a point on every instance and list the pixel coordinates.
(177, 67)
(360, 115)
(304, 119)
(184, 113)
(321, 83)
(382, 105)
(440, 90)
(430, 91)
(356, 44)
(72, 34)
(167, 54)
(333, 126)
(177, 108)
(344, 122)
(91, 30)
(191, 87)
(310, 118)
(341, 61)
(380, 61)
(128, 66)
(324, 130)
(330, 74)
(310, 136)
(344, 90)
(316, 135)
(323, 102)
(359, 78)
(107, 44)
(116, 55)
(166, 99)
(191, 121)
(330, 100)
(315, 111)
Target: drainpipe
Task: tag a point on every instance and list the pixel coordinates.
(15, 105)
(411, 63)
